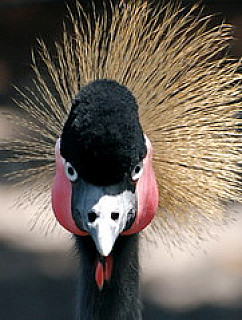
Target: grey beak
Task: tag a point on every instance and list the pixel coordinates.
(104, 212)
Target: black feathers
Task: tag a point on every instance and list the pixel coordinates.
(102, 137)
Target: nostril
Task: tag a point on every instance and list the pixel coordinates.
(115, 216)
(92, 216)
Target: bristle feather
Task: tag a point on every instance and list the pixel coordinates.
(188, 91)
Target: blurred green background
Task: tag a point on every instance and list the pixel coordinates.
(37, 273)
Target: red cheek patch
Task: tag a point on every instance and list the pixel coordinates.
(61, 196)
(146, 193)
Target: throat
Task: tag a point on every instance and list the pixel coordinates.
(119, 297)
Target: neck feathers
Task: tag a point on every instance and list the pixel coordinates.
(119, 298)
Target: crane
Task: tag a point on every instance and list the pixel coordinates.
(136, 131)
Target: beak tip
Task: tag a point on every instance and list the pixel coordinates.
(104, 240)
(104, 251)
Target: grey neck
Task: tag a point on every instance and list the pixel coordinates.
(119, 298)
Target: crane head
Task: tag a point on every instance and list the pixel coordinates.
(105, 184)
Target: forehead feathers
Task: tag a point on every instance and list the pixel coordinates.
(102, 137)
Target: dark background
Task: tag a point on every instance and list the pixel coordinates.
(26, 292)
(22, 21)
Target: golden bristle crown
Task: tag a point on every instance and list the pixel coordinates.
(189, 96)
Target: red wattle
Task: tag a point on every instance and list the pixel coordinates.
(103, 271)
(99, 275)
(108, 268)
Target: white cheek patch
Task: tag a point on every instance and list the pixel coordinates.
(121, 204)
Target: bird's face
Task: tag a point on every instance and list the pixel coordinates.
(102, 160)
(103, 211)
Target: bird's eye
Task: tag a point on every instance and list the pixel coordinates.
(70, 172)
(137, 171)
